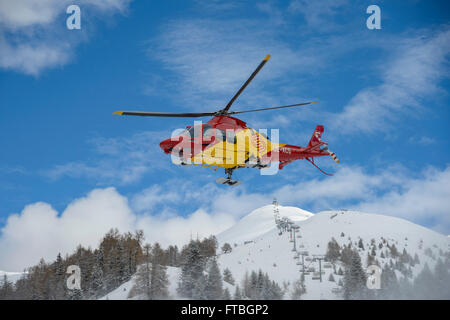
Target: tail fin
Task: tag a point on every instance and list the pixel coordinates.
(316, 142)
(315, 139)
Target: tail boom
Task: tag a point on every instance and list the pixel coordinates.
(315, 148)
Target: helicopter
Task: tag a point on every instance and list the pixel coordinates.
(226, 141)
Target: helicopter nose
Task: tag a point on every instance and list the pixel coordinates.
(168, 144)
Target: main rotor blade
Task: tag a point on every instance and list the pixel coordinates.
(263, 109)
(225, 110)
(165, 114)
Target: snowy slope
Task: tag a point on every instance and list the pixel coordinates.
(173, 274)
(121, 293)
(273, 253)
(259, 222)
(257, 244)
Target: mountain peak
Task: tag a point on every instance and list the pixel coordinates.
(259, 222)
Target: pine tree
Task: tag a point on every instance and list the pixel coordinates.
(214, 284)
(199, 290)
(393, 250)
(151, 279)
(276, 291)
(119, 265)
(75, 294)
(298, 288)
(346, 255)
(441, 280)
(226, 248)
(333, 251)
(389, 284)
(361, 244)
(191, 271)
(253, 293)
(226, 294)
(370, 259)
(261, 284)
(58, 279)
(424, 284)
(355, 279)
(406, 290)
(416, 259)
(404, 258)
(331, 278)
(142, 285)
(159, 282)
(172, 253)
(6, 289)
(97, 280)
(59, 267)
(237, 293)
(228, 277)
(158, 276)
(158, 254)
(265, 288)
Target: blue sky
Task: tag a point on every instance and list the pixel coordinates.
(384, 103)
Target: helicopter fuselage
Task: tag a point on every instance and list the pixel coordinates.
(227, 142)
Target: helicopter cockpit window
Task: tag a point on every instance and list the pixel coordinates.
(193, 132)
(209, 132)
(220, 135)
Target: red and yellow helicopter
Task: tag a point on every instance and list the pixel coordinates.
(226, 142)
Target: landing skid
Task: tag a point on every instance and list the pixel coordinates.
(229, 182)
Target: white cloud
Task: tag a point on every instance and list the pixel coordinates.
(419, 200)
(25, 13)
(419, 197)
(33, 39)
(154, 195)
(209, 196)
(120, 160)
(212, 59)
(424, 140)
(348, 183)
(414, 73)
(32, 56)
(318, 14)
(178, 230)
(39, 231)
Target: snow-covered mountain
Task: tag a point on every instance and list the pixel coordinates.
(257, 244)
(260, 222)
(273, 253)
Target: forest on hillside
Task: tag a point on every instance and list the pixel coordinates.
(119, 257)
